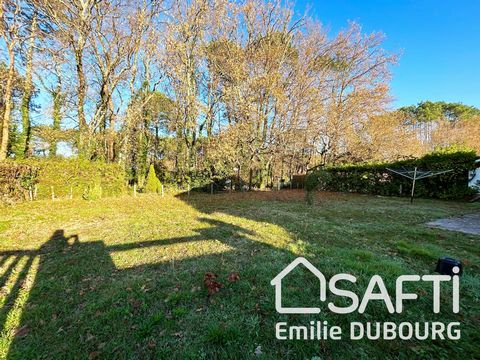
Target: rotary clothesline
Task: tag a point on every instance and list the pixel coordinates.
(415, 175)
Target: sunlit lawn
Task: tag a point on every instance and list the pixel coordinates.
(123, 277)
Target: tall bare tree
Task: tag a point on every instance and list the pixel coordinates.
(11, 30)
(25, 148)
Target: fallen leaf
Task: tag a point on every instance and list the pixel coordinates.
(22, 331)
(234, 276)
(93, 355)
(135, 303)
(211, 284)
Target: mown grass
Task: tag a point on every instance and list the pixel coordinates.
(123, 277)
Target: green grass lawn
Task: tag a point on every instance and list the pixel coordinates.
(123, 277)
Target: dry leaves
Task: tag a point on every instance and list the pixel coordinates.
(211, 284)
(93, 355)
(234, 276)
(22, 331)
(135, 303)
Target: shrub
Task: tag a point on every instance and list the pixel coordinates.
(16, 181)
(376, 179)
(206, 186)
(92, 192)
(316, 180)
(153, 185)
(73, 177)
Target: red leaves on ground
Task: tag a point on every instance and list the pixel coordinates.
(234, 276)
(212, 285)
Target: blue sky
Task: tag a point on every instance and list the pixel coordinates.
(439, 41)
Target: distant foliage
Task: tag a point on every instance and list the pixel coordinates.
(152, 185)
(439, 110)
(374, 178)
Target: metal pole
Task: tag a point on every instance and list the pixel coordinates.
(413, 185)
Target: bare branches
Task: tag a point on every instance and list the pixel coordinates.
(209, 86)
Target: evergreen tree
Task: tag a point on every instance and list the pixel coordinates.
(153, 185)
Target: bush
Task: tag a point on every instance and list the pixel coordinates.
(215, 184)
(318, 180)
(93, 192)
(16, 181)
(153, 185)
(376, 179)
(73, 177)
(314, 181)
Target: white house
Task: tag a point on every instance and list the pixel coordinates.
(474, 177)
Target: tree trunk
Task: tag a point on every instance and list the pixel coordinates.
(239, 180)
(57, 119)
(2, 98)
(111, 135)
(8, 104)
(27, 94)
(250, 178)
(81, 90)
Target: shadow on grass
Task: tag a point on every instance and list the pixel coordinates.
(69, 299)
(76, 303)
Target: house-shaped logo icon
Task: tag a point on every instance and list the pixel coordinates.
(277, 282)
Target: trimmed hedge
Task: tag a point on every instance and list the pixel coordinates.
(376, 179)
(16, 181)
(71, 177)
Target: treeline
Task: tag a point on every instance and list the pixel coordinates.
(203, 89)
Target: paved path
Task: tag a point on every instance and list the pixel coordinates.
(469, 224)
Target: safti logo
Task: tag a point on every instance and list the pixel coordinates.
(277, 282)
(376, 290)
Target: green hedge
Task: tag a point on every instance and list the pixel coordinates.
(80, 178)
(17, 181)
(376, 179)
